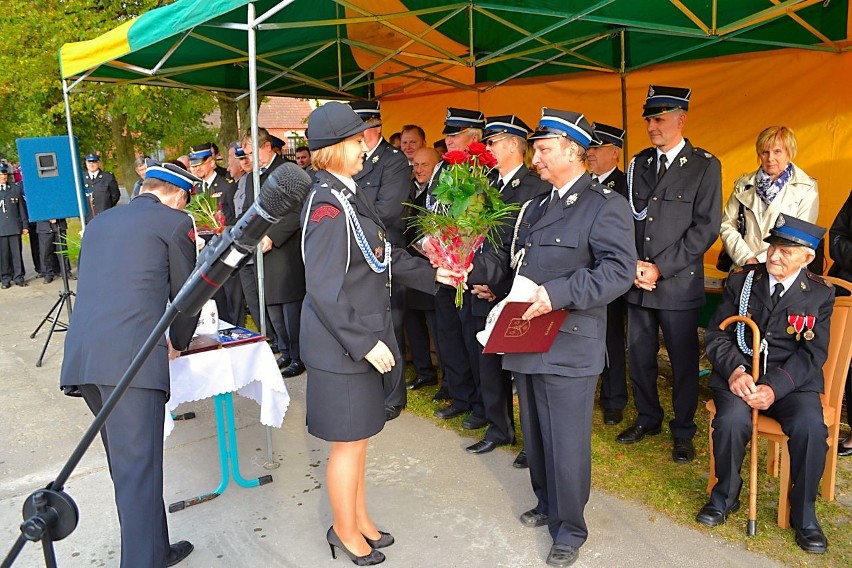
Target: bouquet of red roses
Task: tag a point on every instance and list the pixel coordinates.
(466, 209)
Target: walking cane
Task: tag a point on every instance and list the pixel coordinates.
(755, 372)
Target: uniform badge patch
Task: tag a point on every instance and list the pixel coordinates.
(375, 159)
(682, 161)
(571, 199)
(191, 235)
(516, 182)
(324, 211)
(379, 251)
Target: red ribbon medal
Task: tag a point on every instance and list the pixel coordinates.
(810, 321)
(797, 324)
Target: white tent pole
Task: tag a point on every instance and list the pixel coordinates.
(75, 166)
(255, 172)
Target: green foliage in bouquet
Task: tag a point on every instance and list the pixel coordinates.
(204, 209)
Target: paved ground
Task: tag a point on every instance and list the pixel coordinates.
(445, 507)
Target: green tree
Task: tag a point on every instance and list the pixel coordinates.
(118, 121)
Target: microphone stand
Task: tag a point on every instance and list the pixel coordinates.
(64, 296)
(50, 514)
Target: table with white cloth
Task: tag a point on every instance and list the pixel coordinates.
(248, 369)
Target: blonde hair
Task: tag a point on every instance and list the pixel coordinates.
(330, 158)
(780, 134)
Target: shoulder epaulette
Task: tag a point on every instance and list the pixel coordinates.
(602, 189)
(702, 153)
(818, 279)
(744, 269)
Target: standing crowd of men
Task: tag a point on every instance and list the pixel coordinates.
(623, 252)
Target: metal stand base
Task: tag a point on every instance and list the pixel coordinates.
(226, 432)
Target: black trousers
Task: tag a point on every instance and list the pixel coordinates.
(419, 327)
(11, 261)
(133, 438)
(494, 385)
(35, 248)
(800, 416)
(556, 416)
(680, 332)
(285, 319)
(394, 383)
(614, 376)
(455, 361)
(248, 283)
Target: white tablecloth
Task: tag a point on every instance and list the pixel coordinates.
(248, 369)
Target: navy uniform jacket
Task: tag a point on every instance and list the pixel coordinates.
(122, 291)
(523, 186)
(223, 189)
(581, 251)
(284, 273)
(385, 181)
(345, 314)
(794, 365)
(104, 190)
(13, 210)
(684, 218)
(616, 181)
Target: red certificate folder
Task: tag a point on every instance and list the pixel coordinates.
(511, 334)
(226, 338)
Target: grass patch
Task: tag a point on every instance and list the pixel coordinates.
(645, 473)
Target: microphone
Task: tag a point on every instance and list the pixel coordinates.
(283, 192)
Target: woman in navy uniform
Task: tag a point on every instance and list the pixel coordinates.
(346, 321)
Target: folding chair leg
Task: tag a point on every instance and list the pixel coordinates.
(784, 487)
(772, 451)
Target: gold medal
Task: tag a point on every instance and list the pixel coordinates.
(791, 330)
(809, 334)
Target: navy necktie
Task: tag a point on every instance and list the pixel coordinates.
(662, 169)
(776, 293)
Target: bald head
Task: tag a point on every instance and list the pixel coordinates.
(424, 161)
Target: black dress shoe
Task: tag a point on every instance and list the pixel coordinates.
(421, 382)
(635, 433)
(442, 394)
(521, 461)
(283, 362)
(474, 422)
(613, 416)
(811, 539)
(384, 540)
(450, 412)
(392, 412)
(48, 279)
(683, 450)
(293, 369)
(482, 447)
(562, 555)
(5, 285)
(21, 283)
(710, 516)
(842, 449)
(533, 519)
(178, 551)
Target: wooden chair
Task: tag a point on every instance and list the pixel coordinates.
(835, 371)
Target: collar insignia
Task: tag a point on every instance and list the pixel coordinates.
(650, 159)
(803, 286)
(571, 200)
(682, 161)
(375, 159)
(611, 184)
(516, 182)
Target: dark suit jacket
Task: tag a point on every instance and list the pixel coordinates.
(840, 242)
(124, 284)
(346, 312)
(523, 186)
(794, 365)
(384, 181)
(581, 251)
(616, 181)
(284, 272)
(104, 190)
(684, 218)
(13, 210)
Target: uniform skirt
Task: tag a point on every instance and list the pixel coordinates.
(344, 408)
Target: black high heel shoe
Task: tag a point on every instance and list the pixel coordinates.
(375, 557)
(385, 539)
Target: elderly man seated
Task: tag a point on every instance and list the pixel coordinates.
(792, 307)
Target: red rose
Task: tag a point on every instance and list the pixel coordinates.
(476, 148)
(488, 160)
(455, 157)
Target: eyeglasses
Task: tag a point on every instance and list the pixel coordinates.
(491, 141)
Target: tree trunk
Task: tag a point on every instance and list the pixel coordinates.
(124, 152)
(245, 115)
(229, 129)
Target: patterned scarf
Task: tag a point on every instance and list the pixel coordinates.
(767, 189)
